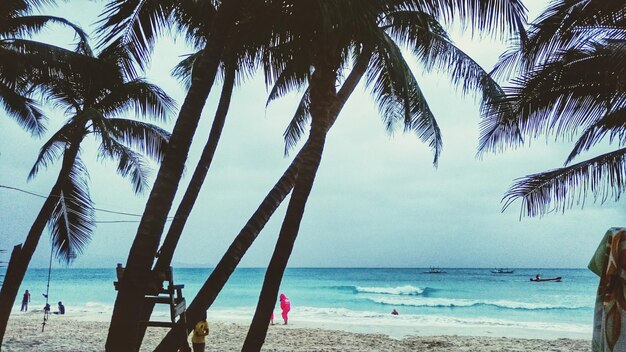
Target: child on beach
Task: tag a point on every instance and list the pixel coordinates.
(285, 305)
(200, 331)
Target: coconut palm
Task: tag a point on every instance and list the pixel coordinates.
(127, 310)
(93, 97)
(378, 28)
(21, 56)
(571, 83)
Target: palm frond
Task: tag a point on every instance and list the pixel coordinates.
(72, 221)
(51, 150)
(399, 96)
(299, 123)
(29, 25)
(182, 71)
(293, 76)
(23, 109)
(146, 138)
(496, 17)
(136, 24)
(613, 123)
(147, 100)
(129, 164)
(557, 190)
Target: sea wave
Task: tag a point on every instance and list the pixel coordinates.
(459, 302)
(400, 290)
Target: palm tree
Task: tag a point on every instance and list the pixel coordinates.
(378, 28)
(127, 311)
(571, 82)
(93, 95)
(20, 56)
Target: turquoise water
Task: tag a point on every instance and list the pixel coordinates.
(352, 298)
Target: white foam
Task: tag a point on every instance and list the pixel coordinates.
(460, 302)
(400, 290)
(410, 324)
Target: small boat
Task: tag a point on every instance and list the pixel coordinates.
(502, 271)
(434, 270)
(555, 279)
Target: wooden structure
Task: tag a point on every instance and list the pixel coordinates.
(164, 291)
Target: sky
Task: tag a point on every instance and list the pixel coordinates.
(377, 200)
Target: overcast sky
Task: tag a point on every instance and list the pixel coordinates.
(377, 200)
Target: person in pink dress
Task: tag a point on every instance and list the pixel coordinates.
(285, 305)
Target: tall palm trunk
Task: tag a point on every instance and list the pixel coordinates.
(226, 266)
(123, 331)
(18, 264)
(166, 253)
(323, 98)
(242, 242)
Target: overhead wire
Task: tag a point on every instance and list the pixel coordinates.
(169, 218)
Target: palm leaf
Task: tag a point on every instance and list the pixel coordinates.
(24, 110)
(72, 220)
(299, 123)
(52, 149)
(613, 123)
(146, 138)
(604, 176)
(135, 24)
(145, 98)
(129, 164)
(399, 96)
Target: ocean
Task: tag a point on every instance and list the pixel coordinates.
(461, 301)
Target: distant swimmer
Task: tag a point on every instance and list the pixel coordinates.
(285, 305)
(394, 312)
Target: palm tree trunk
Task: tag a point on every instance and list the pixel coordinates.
(166, 253)
(286, 239)
(123, 330)
(323, 100)
(226, 266)
(18, 264)
(242, 242)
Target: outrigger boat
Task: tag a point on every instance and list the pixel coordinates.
(434, 270)
(555, 279)
(502, 271)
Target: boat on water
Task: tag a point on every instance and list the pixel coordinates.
(502, 271)
(555, 279)
(434, 270)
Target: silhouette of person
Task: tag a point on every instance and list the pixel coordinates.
(25, 300)
(61, 308)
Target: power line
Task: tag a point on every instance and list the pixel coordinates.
(98, 209)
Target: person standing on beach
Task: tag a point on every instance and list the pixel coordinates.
(25, 301)
(285, 305)
(200, 331)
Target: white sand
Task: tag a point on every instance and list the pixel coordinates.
(67, 333)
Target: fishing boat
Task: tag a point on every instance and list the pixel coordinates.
(434, 270)
(502, 271)
(555, 279)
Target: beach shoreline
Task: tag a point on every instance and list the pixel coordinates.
(88, 333)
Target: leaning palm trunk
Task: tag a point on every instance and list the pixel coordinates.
(166, 253)
(123, 331)
(226, 266)
(18, 264)
(323, 98)
(242, 242)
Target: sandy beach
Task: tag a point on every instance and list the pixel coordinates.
(67, 333)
